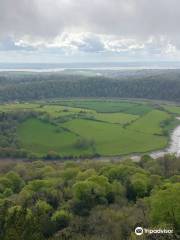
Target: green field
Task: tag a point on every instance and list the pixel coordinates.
(121, 118)
(149, 123)
(40, 137)
(109, 106)
(172, 109)
(112, 139)
(87, 127)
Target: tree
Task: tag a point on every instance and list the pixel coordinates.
(165, 207)
(21, 224)
(17, 182)
(61, 219)
(95, 190)
(138, 186)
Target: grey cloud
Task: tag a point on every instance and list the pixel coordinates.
(44, 20)
(47, 18)
(24, 17)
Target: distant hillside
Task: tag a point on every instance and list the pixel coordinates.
(149, 84)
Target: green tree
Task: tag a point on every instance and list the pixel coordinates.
(165, 207)
(61, 219)
(17, 183)
(138, 186)
(21, 224)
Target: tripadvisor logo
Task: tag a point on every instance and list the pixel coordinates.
(139, 231)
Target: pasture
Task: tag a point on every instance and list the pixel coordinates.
(40, 137)
(89, 127)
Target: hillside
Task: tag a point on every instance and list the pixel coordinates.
(154, 84)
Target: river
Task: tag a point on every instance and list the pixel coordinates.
(174, 146)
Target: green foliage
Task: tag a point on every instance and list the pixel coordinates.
(17, 182)
(7, 192)
(43, 206)
(165, 207)
(61, 218)
(156, 84)
(21, 225)
(121, 172)
(95, 190)
(88, 199)
(139, 186)
(9, 142)
(4, 183)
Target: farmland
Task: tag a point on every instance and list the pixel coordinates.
(38, 136)
(85, 128)
(92, 127)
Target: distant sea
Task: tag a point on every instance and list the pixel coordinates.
(53, 67)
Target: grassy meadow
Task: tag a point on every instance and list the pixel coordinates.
(82, 127)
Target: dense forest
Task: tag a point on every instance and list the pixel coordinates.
(161, 85)
(89, 200)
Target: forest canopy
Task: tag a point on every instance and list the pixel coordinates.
(155, 84)
(89, 200)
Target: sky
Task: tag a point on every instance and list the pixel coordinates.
(89, 30)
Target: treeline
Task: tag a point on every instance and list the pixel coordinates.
(25, 87)
(9, 141)
(89, 200)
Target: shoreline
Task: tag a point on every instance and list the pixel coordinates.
(173, 146)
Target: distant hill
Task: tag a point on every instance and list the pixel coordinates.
(149, 84)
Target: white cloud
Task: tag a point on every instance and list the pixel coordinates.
(132, 27)
(72, 43)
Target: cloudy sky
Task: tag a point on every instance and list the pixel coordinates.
(89, 30)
